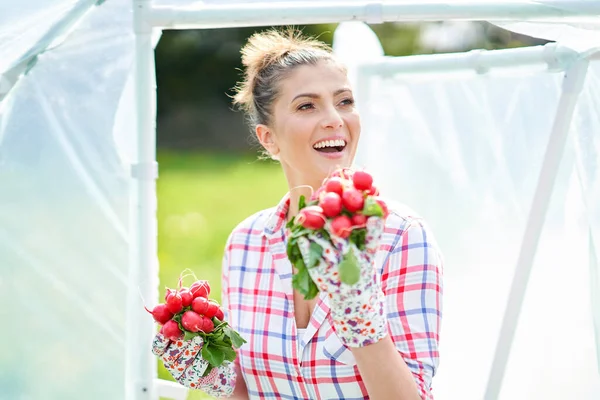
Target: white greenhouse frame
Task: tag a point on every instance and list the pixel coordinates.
(141, 371)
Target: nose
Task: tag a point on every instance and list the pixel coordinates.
(332, 119)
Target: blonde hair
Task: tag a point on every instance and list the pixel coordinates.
(269, 57)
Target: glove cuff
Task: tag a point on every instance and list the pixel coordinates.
(220, 382)
(359, 322)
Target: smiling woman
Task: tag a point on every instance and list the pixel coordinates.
(381, 342)
(300, 105)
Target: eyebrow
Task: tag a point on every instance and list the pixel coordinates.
(316, 96)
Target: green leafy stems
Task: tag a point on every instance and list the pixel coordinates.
(219, 345)
(349, 270)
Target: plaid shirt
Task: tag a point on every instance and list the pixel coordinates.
(257, 291)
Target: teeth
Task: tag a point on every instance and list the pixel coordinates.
(330, 143)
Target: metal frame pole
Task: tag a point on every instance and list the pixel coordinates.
(143, 272)
(552, 55)
(313, 12)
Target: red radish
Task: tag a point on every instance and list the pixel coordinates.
(341, 226)
(373, 191)
(359, 220)
(353, 200)
(171, 331)
(342, 173)
(191, 321)
(174, 302)
(168, 292)
(186, 297)
(334, 185)
(220, 315)
(384, 207)
(207, 325)
(362, 180)
(311, 217)
(200, 305)
(331, 204)
(317, 195)
(200, 288)
(160, 313)
(212, 309)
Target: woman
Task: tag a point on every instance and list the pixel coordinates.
(300, 105)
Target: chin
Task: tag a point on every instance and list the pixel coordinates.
(345, 162)
(324, 166)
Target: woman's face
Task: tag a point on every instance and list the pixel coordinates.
(315, 126)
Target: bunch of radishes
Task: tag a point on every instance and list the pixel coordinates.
(340, 207)
(347, 199)
(188, 312)
(189, 308)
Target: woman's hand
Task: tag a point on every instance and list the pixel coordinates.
(358, 311)
(183, 359)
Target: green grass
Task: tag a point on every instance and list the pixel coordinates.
(201, 198)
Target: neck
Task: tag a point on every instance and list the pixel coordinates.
(295, 194)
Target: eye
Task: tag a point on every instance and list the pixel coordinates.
(347, 102)
(305, 106)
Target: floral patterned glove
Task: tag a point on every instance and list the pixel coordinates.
(183, 360)
(358, 311)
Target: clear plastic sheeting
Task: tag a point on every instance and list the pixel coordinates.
(64, 208)
(26, 32)
(580, 37)
(587, 162)
(21, 27)
(465, 150)
(579, 33)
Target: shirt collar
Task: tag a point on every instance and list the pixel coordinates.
(278, 217)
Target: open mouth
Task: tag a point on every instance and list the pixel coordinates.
(330, 146)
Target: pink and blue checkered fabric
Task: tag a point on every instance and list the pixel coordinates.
(257, 291)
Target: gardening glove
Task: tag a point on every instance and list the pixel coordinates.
(183, 359)
(358, 310)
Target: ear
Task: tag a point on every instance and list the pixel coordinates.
(267, 139)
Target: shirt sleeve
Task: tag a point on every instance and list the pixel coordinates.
(231, 369)
(412, 284)
(225, 282)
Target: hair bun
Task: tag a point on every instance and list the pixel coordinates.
(266, 48)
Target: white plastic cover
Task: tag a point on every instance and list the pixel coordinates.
(465, 151)
(64, 199)
(67, 139)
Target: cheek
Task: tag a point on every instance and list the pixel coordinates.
(353, 122)
(299, 134)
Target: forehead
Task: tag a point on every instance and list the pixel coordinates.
(322, 78)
